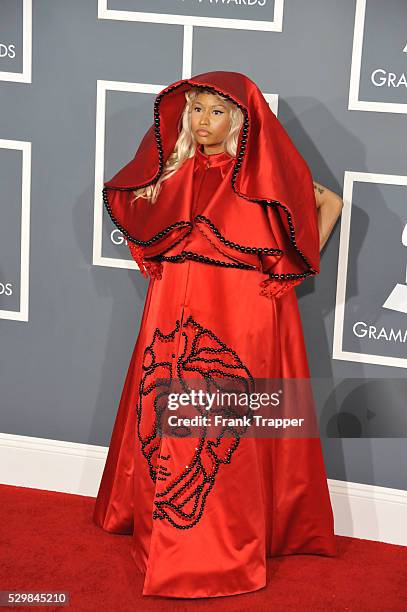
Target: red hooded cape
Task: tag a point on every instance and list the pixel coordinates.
(269, 201)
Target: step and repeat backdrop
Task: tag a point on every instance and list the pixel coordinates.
(77, 85)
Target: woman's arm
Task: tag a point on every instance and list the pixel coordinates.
(329, 205)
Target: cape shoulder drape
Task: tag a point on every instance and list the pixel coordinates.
(269, 175)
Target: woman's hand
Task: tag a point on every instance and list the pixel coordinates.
(329, 205)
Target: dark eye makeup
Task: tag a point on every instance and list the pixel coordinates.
(216, 110)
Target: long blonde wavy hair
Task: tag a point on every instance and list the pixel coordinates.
(186, 144)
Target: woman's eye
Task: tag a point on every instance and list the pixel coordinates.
(197, 108)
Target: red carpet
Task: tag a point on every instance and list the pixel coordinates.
(49, 543)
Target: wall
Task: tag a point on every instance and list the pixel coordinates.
(74, 106)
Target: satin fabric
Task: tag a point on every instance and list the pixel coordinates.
(268, 192)
(271, 498)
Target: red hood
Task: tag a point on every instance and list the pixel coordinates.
(269, 171)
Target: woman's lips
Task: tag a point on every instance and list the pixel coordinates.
(202, 132)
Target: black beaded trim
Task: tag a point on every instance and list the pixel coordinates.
(135, 240)
(289, 275)
(143, 390)
(234, 245)
(238, 163)
(204, 259)
(195, 471)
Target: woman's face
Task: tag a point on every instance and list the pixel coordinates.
(211, 115)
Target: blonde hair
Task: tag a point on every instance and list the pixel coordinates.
(186, 144)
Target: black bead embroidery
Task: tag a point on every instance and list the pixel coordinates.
(135, 240)
(239, 158)
(181, 257)
(194, 476)
(234, 245)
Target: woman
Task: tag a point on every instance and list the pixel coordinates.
(218, 207)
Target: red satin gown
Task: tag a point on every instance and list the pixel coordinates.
(204, 520)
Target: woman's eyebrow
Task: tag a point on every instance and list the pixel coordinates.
(212, 105)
